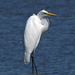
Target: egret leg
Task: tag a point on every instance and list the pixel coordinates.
(36, 68)
(34, 63)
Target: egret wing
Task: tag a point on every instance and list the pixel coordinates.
(32, 33)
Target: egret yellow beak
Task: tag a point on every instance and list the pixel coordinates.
(50, 14)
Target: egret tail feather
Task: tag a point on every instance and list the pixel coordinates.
(27, 58)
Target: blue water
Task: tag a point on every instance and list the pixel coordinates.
(55, 54)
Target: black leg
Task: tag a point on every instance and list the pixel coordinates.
(33, 64)
(36, 68)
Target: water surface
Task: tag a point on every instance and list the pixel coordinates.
(55, 54)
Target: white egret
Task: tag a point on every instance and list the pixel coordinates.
(36, 25)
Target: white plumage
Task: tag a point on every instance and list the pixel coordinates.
(36, 25)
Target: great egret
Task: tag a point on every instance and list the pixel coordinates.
(36, 25)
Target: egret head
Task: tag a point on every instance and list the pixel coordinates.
(44, 13)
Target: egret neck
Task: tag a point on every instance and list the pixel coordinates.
(44, 21)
